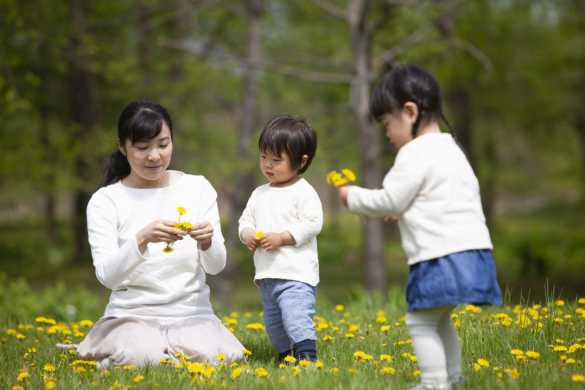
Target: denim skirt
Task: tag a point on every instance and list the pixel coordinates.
(462, 277)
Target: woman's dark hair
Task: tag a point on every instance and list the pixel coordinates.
(291, 134)
(409, 84)
(140, 120)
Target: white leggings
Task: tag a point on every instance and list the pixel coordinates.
(437, 347)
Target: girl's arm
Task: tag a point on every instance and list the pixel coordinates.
(400, 187)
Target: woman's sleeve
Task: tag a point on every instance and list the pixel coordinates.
(400, 187)
(248, 220)
(310, 215)
(112, 263)
(214, 258)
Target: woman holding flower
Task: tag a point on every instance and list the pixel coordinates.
(154, 264)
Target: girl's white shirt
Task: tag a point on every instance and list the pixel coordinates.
(296, 209)
(435, 194)
(164, 286)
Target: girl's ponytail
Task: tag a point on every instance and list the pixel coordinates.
(116, 169)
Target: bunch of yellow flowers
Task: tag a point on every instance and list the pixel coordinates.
(184, 226)
(339, 179)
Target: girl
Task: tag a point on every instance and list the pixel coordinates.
(159, 304)
(434, 194)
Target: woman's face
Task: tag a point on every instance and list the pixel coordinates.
(148, 159)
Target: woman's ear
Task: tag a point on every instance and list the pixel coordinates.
(122, 148)
(410, 109)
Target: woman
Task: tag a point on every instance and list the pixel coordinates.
(159, 305)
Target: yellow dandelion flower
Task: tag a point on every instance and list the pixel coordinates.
(558, 348)
(563, 358)
(359, 354)
(332, 176)
(261, 372)
(49, 367)
(385, 328)
(20, 336)
(22, 376)
(181, 210)
(138, 378)
(570, 361)
(385, 357)
(560, 302)
(352, 370)
(236, 372)
(318, 364)
(304, 362)
(578, 378)
(483, 362)
(349, 335)
(520, 358)
(581, 301)
(339, 307)
(349, 174)
(259, 235)
(86, 323)
(334, 370)
(246, 352)
(12, 332)
(327, 338)
(290, 359)
(387, 370)
(381, 319)
(353, 328)
(40, 319)
(49, 384)
(476, 366)
(208, 372)
(416, 373)
(255, 326)
(560, 341)
(517, 352)
(532, 354)
(221, 356)
(168, 248)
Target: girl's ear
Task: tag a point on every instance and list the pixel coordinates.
(122, 148)
(304, 160)
(410, 109)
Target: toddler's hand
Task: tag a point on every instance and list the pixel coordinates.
(270, 241)
(249, 237)
(390, 219)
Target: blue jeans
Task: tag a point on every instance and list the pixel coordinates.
(289, 307)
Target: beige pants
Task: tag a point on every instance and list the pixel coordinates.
(134, 341)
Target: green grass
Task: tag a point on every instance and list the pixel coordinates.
(484, 334)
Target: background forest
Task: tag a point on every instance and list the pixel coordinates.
(513, 78)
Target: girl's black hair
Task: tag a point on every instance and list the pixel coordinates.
(140, 120)
(291, 134)
(410, 84)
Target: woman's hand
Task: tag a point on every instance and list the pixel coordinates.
(202, 233)
(249, 237)
(343, 191)
(161, 230)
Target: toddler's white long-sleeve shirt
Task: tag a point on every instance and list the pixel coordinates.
(165, 286)
(296, 208)
(435, 194)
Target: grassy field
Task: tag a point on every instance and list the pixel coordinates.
(362, 344)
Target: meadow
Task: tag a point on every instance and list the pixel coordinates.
(362, 344)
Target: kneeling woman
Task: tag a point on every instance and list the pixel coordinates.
(159, 305)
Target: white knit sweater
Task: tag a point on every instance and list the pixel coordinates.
(296, 209)
(165, 286)
(435, 194)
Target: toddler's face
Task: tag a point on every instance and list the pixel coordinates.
(398, 127)
(278, 170)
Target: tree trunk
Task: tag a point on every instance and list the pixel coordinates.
(223, 283)
(84, 108)
(374, 267)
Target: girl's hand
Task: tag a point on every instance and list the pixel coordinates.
(202, 233)
(390, 219)
(161, 230)
(249, 237)
(343, 191)
(270, 241)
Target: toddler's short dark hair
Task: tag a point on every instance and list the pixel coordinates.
(291, 134)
